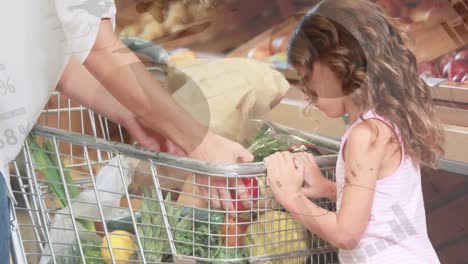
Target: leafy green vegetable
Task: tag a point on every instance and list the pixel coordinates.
(91, 252)
(195, 232)
(47, 163)
(47, 145)
(203, 217)
(264, 144)
(89, 225)
(203, 241)
(152, 226)
(267, 142)
(231, 253)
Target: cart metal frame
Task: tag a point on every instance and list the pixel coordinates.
(34, 191)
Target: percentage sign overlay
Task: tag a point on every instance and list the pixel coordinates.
(7, 87)
(24, 130)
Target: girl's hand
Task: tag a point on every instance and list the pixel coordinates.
(315, 185)
(283, 177)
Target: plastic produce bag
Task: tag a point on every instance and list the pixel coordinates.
(110, 189)
(269, 140)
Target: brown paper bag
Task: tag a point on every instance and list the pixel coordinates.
(223, 94)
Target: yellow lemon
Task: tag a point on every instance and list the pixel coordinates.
(276, 232)
(122, 245)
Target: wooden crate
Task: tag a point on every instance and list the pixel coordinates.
(451, 92)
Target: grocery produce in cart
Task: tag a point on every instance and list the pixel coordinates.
(121, 204)
(123, 245)
(151, 224)
(280, 232)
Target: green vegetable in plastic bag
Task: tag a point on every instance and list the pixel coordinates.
(46, 162)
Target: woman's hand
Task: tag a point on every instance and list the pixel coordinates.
(283, 177)
(315, 185)
(217, 149)
(150, 139)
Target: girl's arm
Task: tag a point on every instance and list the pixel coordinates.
(328, 190)
(363, 155)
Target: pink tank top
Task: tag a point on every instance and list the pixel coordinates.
(396, 232)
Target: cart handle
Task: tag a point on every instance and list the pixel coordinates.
(201, 167)
(149, 49)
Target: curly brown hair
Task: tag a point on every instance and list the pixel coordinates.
(361, 46)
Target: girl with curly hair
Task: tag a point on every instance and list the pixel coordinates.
(353, 61)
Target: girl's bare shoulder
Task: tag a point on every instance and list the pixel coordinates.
(371, 132)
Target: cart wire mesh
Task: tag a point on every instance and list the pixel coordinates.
(87, 195)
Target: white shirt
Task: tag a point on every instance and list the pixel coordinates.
(38, 38)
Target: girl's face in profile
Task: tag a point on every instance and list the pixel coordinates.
(329, 89)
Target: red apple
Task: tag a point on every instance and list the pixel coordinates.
(465, 78)
(462, 55)
(443, 63)
(455, 67)
(428, 69)
(459, 77)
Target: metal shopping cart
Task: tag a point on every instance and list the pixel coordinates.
(87, 195)
(156, 227)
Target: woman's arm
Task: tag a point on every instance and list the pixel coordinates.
(363, 156)
(120, 71)
(127, 79)
(78, 84)
(81, 86)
